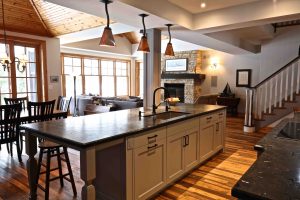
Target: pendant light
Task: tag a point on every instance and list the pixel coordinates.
(107, 38)
(4, 57)
(169, 50)
(143, 46)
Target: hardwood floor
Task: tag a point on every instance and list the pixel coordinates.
(213, 180)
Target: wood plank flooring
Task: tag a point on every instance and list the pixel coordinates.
(212, 180)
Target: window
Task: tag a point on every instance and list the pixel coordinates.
(72, 71)
(14, 83)
(141, 79)
(122, 78)
(105, 77)
(92, 79)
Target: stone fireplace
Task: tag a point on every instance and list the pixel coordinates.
(190, 80)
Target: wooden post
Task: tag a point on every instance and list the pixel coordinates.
(88, 173)
(152, 62)
(298, 77)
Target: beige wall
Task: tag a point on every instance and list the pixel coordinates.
(274, 55)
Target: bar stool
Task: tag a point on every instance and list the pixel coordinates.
(53, 150)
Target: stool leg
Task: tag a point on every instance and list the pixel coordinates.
(48, 174)
(59, 167)
(70, 170)
(39, 165)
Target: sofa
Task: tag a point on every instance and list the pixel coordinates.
(119, 103)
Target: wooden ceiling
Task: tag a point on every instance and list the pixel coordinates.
(39, 17)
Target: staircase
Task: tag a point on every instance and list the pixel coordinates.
(274, 97)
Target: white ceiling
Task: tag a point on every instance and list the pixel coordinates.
(222, 28)
(194, 6)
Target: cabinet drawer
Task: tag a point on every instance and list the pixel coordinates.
(207, 120)
(147, 138)
(183, 126)
(220, 115)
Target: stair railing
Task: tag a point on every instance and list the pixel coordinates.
(272, 92)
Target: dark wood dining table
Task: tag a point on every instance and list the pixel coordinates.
(57, 114)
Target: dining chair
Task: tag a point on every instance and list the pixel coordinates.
(23, 101)
(40, 111)
(10, 126)
(63, 104)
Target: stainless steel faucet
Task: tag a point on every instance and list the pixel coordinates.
(154, 107)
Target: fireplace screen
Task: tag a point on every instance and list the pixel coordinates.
(176, 90)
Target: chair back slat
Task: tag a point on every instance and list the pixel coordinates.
(40, 111)
(22, 100)
(9, 122)
(64, 104)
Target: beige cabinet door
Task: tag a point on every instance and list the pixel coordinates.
(218, 137)
(175, 150)
(206, 141)
(149, 169)
(191, 149)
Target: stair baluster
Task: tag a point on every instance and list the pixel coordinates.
(298, 77)
(280, 93)
(276, 90)
(286, 84)
(270, 95)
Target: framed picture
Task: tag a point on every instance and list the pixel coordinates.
(54, 79)
(176, 65)
(243, 78)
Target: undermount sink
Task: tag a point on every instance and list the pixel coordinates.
(167, 115)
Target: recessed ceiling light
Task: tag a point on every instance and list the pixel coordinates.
(203, 5)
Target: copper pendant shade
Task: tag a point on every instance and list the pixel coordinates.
(107, 38)
(143, 46)
(169, 50)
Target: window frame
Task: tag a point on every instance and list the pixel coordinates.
(82, 57)
(41, 66)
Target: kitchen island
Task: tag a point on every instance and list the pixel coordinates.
(276, 172)
(127, 156)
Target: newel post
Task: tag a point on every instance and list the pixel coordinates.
(248, 123)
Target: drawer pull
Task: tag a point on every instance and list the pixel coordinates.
(220, 114)
(152, 147)
(208, 118)
(151, 137)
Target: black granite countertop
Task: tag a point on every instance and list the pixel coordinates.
(85, 131)
(276, 173)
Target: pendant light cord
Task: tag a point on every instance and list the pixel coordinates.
(169, 32)
(107, 14)
(143, 19)
(4, 29)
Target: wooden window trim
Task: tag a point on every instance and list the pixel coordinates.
(41, 63)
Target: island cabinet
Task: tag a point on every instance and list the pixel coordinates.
(157, 158)
(211, 134)
(182, 148)
(146, 164)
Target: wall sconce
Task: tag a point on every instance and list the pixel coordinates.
(214, 62)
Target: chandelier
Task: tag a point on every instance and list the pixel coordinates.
(5, 58)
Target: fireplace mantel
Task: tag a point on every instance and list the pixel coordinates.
(183, 76)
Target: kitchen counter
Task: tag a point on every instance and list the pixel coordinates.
(117, 147)
(276, 173)
(85, 131)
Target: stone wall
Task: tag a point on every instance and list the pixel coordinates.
(192, 87)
